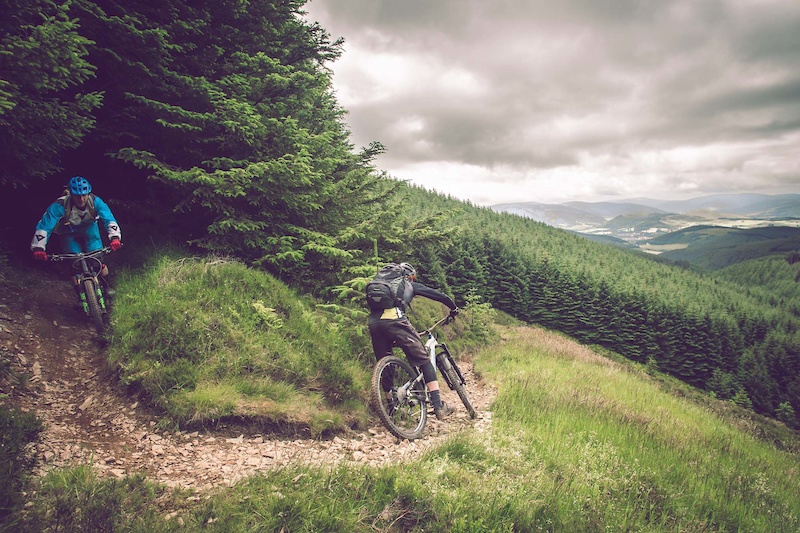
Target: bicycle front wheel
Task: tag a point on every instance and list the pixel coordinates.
(454, 379)
(93, 301)
(398, 399)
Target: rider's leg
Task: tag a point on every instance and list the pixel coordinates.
(93, 242)
(381, 347)
(77, 287)
(71, 245)
(408, 339)
(441, 409)
(429, 374)
(381, 343)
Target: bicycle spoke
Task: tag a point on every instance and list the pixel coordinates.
(399, 398)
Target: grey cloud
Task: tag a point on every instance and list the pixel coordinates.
(785, 93)
(771, 36)
(599, 78)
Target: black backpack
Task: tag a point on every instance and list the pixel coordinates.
(386, 289)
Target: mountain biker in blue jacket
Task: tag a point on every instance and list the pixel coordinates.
(390, 327)
(73, 217)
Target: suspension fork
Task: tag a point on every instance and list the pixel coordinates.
(79, 280)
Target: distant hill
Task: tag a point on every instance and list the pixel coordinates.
(597, 217)
(745, 226)
(558, 215)
(608, 239)
(715, 247)
(749, 205)
(639, 222)
(613, 209)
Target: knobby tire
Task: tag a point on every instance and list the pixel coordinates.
(95, 310)
(403, 414)
(452, 375)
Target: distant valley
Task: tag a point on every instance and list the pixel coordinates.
(709, 231)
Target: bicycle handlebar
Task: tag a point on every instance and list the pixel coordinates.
(445, 320)
(64, 257)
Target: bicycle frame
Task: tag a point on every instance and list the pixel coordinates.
(402, 392)
(430, 346)
(432, 343)
(86, 265)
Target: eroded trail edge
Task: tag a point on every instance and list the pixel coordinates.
(89, 419)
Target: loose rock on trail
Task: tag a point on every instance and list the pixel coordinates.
(89, 417)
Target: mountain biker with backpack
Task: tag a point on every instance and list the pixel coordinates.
(388, 296)
(73, 217)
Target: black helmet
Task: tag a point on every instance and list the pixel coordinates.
(408, 271)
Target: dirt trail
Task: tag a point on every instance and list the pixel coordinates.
(90, 419)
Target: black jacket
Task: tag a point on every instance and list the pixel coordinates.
(412, 289)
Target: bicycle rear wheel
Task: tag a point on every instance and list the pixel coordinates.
(92, 299)
(454, 379)
(397, 399)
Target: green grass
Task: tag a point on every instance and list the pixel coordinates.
(579, 441)
(17, 431)
(76, 500)
(622, 452)
(213, 339)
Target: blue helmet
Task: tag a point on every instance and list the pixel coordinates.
(79, 185)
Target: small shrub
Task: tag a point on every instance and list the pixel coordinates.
(17, 430)
(742, 399)
(482, 317)
(722, 384)
(785, 413)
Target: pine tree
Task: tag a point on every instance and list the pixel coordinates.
(44, 105)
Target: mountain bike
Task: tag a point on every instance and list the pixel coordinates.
(399, 394)
(86, 267)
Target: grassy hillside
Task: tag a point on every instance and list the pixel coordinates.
(211, 339)
(714, 247)
(579, 442)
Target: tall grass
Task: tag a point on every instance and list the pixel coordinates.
(76, 500)
(622, 452)
(211, 339)
(17, 431)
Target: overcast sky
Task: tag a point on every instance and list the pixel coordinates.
(558, 100)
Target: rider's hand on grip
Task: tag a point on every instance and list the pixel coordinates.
(115, 244)
(40, 255)
(452, 315)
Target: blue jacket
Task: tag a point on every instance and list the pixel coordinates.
(56, 220)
